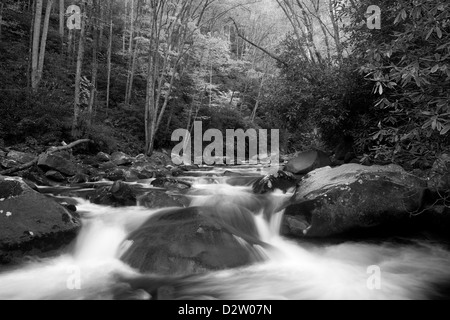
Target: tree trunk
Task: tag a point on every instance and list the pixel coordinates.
(258, 99)
(95, 31)
(44, 41)
(30, 49)
(108, 87)
(61, 22)
(337, 36)
(36, 38)
(130, 78)
(133, 51)
(130, 46)
(77, 109)
(1, 19)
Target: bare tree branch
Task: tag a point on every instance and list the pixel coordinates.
(273, 56)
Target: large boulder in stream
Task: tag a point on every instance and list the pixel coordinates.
(31, 223)
(330, 202)
(194, 240)
(58, 162)
(307, 162)
(119, 194)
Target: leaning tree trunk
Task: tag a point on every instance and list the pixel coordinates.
(76, 107)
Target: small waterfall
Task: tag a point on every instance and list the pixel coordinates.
(292, 269)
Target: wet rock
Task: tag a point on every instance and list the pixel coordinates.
(232, 174)
(116, 174)
(119, 195)
(307, 162)
(37, 176)
(31, 223)
(55, 176)
(121, 159)
(160, 158)
(282, 181)
(331, 202)
(169, 183)
(58, 162)
(192, 240)
(177, 172)
(159, 199)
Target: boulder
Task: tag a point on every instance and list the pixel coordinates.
(352, 197)
(160, 158)
(79, 178)
(107, 166)
(157, 199)
(9, 163)
(116, 174)
(119, 195)
(307, 162)
(121, 159)
(37, 176)
(55, 176)
(193, 240)
(21, 157)
(58, 162)
(282, 181)
(31, 223)
(232, 174)
(169, 183)
(103, 157)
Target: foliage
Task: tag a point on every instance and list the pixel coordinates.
(408, 63)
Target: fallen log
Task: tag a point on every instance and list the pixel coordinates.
(49, 151)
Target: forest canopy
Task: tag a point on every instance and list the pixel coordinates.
(127, 73)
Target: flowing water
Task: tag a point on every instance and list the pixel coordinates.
(91, 268)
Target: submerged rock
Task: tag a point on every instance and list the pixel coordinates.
(194, 240)
(307, 162)
(330, 202)
(31, 223)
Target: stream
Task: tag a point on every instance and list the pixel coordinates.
(292, 269)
